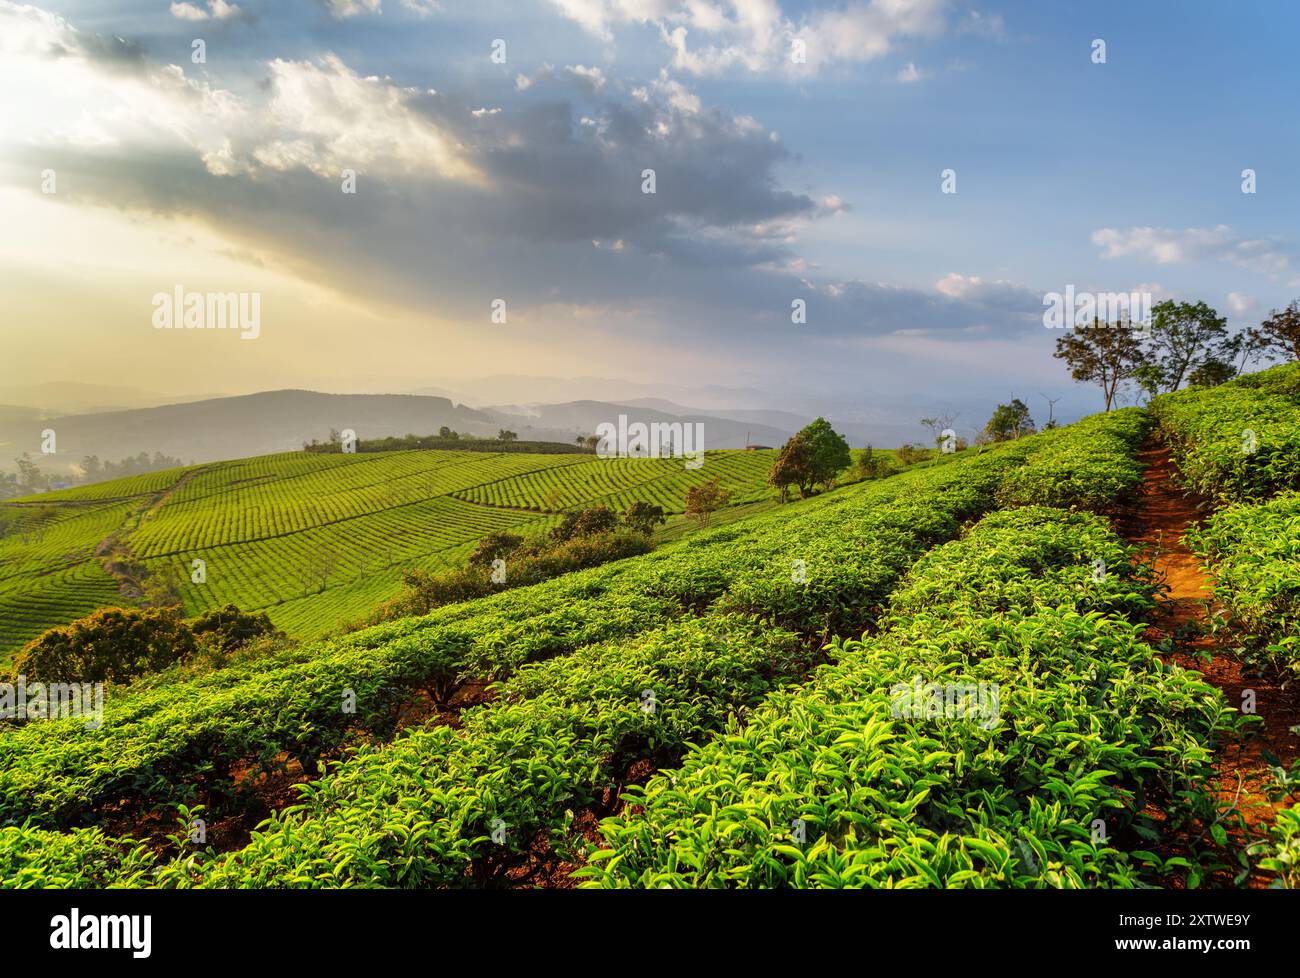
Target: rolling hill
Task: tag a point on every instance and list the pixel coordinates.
(311, 539)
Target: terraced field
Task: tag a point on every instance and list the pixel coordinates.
(312, 539)
(619, 482)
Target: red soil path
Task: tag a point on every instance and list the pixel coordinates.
(1164, 512)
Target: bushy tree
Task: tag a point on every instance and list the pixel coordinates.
(1010, 421)
(504, 434)
(494, 546)
(1185, 336)
(112, 645)
(162, 588)
(793, 467)
(644, 517)
(585, 522)
(228, 629)
(830, 451)
(30, 476)
(1211, 373)
(910, 454)
(875, 465)
(814, 456)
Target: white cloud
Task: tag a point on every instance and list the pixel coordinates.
(1240, 304)
(338, 119)
(1170, 246)
(593, 78)
(985, 292)
(187, 11)
(319, 115)
(342, 9)
(88, 91)
(217, 10)
(708, 37)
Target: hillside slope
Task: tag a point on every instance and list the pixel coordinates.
(311, 539)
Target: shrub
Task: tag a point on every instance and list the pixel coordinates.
(532, 562)
(229, 629)
(644, 517)
(585, 522)
(703, 500)
(112, 645)
(492, 547)
(910, 454)
(875, 465)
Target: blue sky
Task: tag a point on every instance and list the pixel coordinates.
(520, 180)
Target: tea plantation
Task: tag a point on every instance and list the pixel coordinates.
(945, 678)
(312, 539)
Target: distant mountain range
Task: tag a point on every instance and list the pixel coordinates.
(276, 421)
(77, 398)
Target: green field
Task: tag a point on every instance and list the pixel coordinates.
(755, 667)
(313, 539)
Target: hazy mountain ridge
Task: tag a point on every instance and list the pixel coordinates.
(278, 421)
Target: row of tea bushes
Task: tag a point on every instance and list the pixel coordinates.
(845, 782)
(1237, 442)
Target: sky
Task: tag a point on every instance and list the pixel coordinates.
(500, 222)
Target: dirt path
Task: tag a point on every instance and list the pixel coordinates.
(1163, 514)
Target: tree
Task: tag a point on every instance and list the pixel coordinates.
(1211, 373)
(505, 435)
(703, 500)
(1010, 421)
(318, 568)
(1279, 334)
(112, 645)
(585, 522)
(30, 476)
(447, 434)
(793, 467)
(814, 456)
(938, 425)
(644, 517)
(1101, 354)
(162, 588)
(1184, 336)
(229, 629)
(492, 547)
(874, 466)
(1148, 379)
(830, 452)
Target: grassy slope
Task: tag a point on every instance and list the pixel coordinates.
(269, 529)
